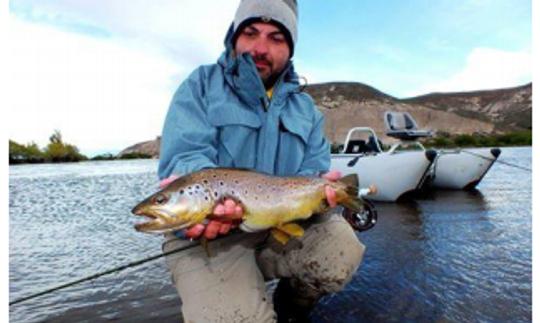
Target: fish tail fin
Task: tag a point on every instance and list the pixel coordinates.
(351, 183)
(350, 199)
(353, 203)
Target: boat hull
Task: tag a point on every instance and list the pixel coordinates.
(462, 169)
(394, 174)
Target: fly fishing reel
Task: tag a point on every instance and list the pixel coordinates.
(363, 220)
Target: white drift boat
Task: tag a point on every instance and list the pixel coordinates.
(462, 169)
(453, 168)
(394, 173)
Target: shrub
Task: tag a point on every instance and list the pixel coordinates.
(25, 154)
(56, 151)
(135, 156)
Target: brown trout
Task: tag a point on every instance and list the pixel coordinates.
(268, 202)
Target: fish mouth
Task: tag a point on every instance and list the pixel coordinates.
(160, 221)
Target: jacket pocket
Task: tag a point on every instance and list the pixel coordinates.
(238, 133)
(293, 143)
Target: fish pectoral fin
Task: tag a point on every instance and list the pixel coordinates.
(280, 236)
(284, 232)
(292, 229)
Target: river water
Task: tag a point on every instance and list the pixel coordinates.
(445, 256)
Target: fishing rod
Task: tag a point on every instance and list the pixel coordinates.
(497, 160)
(106, 272)
(361, 221)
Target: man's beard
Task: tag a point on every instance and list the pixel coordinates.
(269, 80)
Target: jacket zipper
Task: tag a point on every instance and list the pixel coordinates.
(265, 103)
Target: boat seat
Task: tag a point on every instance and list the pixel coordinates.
(361, 147)
(401, 125)
(374, 145)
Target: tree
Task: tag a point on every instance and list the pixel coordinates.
(29, 153)
(56, 137)
(58, 151)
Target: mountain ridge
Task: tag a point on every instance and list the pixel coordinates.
(352, 104)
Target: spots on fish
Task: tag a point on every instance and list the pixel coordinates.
(255, 191)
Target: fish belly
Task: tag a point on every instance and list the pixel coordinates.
(276, 217)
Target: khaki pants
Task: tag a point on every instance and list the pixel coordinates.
(230, 285)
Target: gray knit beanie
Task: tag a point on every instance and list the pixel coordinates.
(283, 13)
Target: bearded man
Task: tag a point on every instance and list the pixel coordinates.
(248, 111)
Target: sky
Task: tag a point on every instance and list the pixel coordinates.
(103, 72)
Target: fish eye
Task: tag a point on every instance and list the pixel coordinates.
(160, 199)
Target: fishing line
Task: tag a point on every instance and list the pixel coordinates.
(498, 161)
(106, 272)
(123, 267)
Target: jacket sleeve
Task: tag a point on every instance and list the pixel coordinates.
(317, 155)
(188, 141)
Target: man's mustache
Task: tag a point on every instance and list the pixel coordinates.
(261, 60)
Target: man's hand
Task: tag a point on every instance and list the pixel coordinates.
(333, 176)
(224, 217)
(164, 183)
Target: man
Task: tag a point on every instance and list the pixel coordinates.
(247, 111)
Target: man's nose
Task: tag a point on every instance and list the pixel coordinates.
(260, 47)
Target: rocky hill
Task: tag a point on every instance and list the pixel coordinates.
(508, 109)
(149, 148)
(346, 105)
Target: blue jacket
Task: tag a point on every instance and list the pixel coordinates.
(220, 116)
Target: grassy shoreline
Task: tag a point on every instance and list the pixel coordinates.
(510, 139)
(60, 152)
(444, 140)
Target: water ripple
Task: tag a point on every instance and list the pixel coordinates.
(449, 256)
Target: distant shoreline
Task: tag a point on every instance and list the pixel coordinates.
(334, 151)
